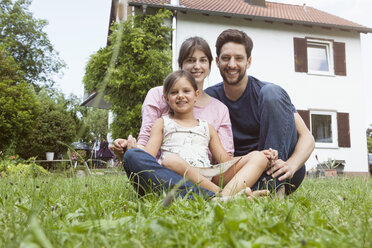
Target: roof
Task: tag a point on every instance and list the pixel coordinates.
(96, 100)
(278, 12)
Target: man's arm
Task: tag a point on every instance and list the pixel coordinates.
(304, 147)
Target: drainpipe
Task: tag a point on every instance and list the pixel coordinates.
(174, 41)
(174, 35)
(123, 10)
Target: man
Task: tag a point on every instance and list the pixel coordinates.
(261, 114)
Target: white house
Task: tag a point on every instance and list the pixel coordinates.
(315, 56)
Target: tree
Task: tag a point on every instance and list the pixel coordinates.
(97, 123)
(138, 59)
(23, 37)
(91, 123)
(54, 129)
(18, 104)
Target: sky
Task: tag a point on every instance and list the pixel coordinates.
(78, 28)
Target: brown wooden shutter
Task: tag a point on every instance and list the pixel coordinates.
(339, 58)
(343, 130)
(305, 115)
(300, 54)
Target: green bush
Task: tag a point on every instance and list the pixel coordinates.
(369, 144)
(16, 167)
(54, 129)
(138, 59)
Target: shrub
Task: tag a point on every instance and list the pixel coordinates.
(16, 167)
(53, 128)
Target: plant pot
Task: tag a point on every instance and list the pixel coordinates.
(330, 172)
(49, 156)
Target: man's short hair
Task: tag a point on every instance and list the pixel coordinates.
(237, 36)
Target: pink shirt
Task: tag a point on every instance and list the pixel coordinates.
(215, 113)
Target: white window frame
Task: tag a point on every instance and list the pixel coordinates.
(329, 49)
(333, 115)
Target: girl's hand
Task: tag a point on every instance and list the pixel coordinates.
(271, 155)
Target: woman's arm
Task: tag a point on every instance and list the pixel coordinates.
(225, 133)
(156, 138)
(216, 148)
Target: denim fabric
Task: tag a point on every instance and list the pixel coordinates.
(147, 175)
(277, 131)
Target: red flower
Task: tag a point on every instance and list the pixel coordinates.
(13, 157)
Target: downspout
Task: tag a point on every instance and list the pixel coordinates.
(174, 41)
(174, 35)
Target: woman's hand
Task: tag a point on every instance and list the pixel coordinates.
(118, 147)
(132, 142)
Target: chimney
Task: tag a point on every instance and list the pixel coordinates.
(261, 3)
(175, 2)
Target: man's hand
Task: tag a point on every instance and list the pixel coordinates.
(118, 147)
(280, 167)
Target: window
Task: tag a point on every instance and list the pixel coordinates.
(322, 57)
(330, 129)
(319, 58)
(324, 128)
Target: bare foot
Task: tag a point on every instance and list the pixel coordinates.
(247, 191)
(281, 192)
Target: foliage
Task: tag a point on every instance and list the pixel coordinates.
(138, 59)
(321, 213)
(369, 144)
(23, 37)
(91, 123)
(97, 121)
(369, 139)
(54, 128)
(331, 163)
(79, 156)
(16, 167)
(18, 104)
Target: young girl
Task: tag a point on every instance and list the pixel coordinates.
(184, 142)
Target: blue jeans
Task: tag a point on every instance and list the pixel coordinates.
(277, 131)
(147, 175)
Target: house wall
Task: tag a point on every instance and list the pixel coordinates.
(273, 61)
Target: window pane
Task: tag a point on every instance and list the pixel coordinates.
(321, 128)
(317, 58)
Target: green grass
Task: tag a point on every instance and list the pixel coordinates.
(103, 211)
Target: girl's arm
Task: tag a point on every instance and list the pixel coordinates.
(216, 148)
(156, 137)
(153, 107)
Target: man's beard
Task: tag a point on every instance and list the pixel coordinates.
(240, 77)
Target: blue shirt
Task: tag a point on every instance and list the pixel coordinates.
(244, 114)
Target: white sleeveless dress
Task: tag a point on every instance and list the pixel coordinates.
(191, 144)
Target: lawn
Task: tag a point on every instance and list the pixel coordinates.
(103, 211)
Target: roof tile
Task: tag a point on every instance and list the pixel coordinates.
(272, 11)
